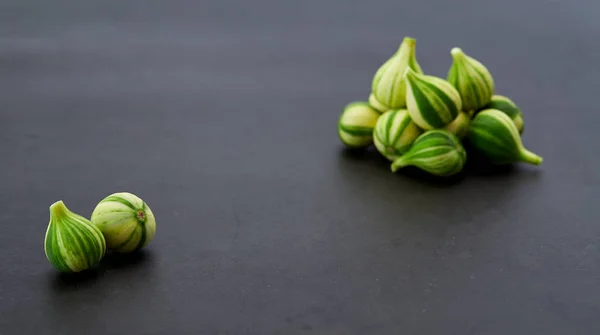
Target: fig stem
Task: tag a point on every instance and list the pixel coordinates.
(531, 158)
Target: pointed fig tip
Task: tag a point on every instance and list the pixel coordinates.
(456, 52)
(58, 204)
(531, 158)
(397, 165)
(409, 39)
(58, 208)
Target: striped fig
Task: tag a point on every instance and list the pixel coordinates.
(126, 221)
(72, 242)
(471, 79)
(438, 152)
(431, 102)
(388, 86)
(495, 135)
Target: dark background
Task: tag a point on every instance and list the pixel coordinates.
(222, 116)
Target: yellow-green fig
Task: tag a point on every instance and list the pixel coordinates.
(432, 102)
(394, 133)
(388, 86)
(460, 125)
(126, 222)
(355, 125)
(471, 79)
(376, 104)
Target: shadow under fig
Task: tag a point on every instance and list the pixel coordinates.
(479, 165)
(372, 157)
(115, 260)
(476, 165)
(485, 168)
(368, 155)
(65, 281)
(111, 261)
(430, 179)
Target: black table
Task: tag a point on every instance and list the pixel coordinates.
(222, 116)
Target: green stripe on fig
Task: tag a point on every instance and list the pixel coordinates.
(406, 121)
(142, 241)
(388, 124)
(502, 105)
(119, 200)
(447, 104)
(357, 130)
(425, 108)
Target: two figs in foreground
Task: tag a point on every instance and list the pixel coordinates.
(121, 222)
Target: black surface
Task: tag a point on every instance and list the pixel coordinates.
(222, 116)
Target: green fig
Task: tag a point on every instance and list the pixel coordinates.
(394, 133)
(472, 80)
(438, 152)
(72, 242)
(356, 123)
(388, 86)
(509, 108)
(495, 135)
(431, 101)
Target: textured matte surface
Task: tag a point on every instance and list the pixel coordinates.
(222, 116)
